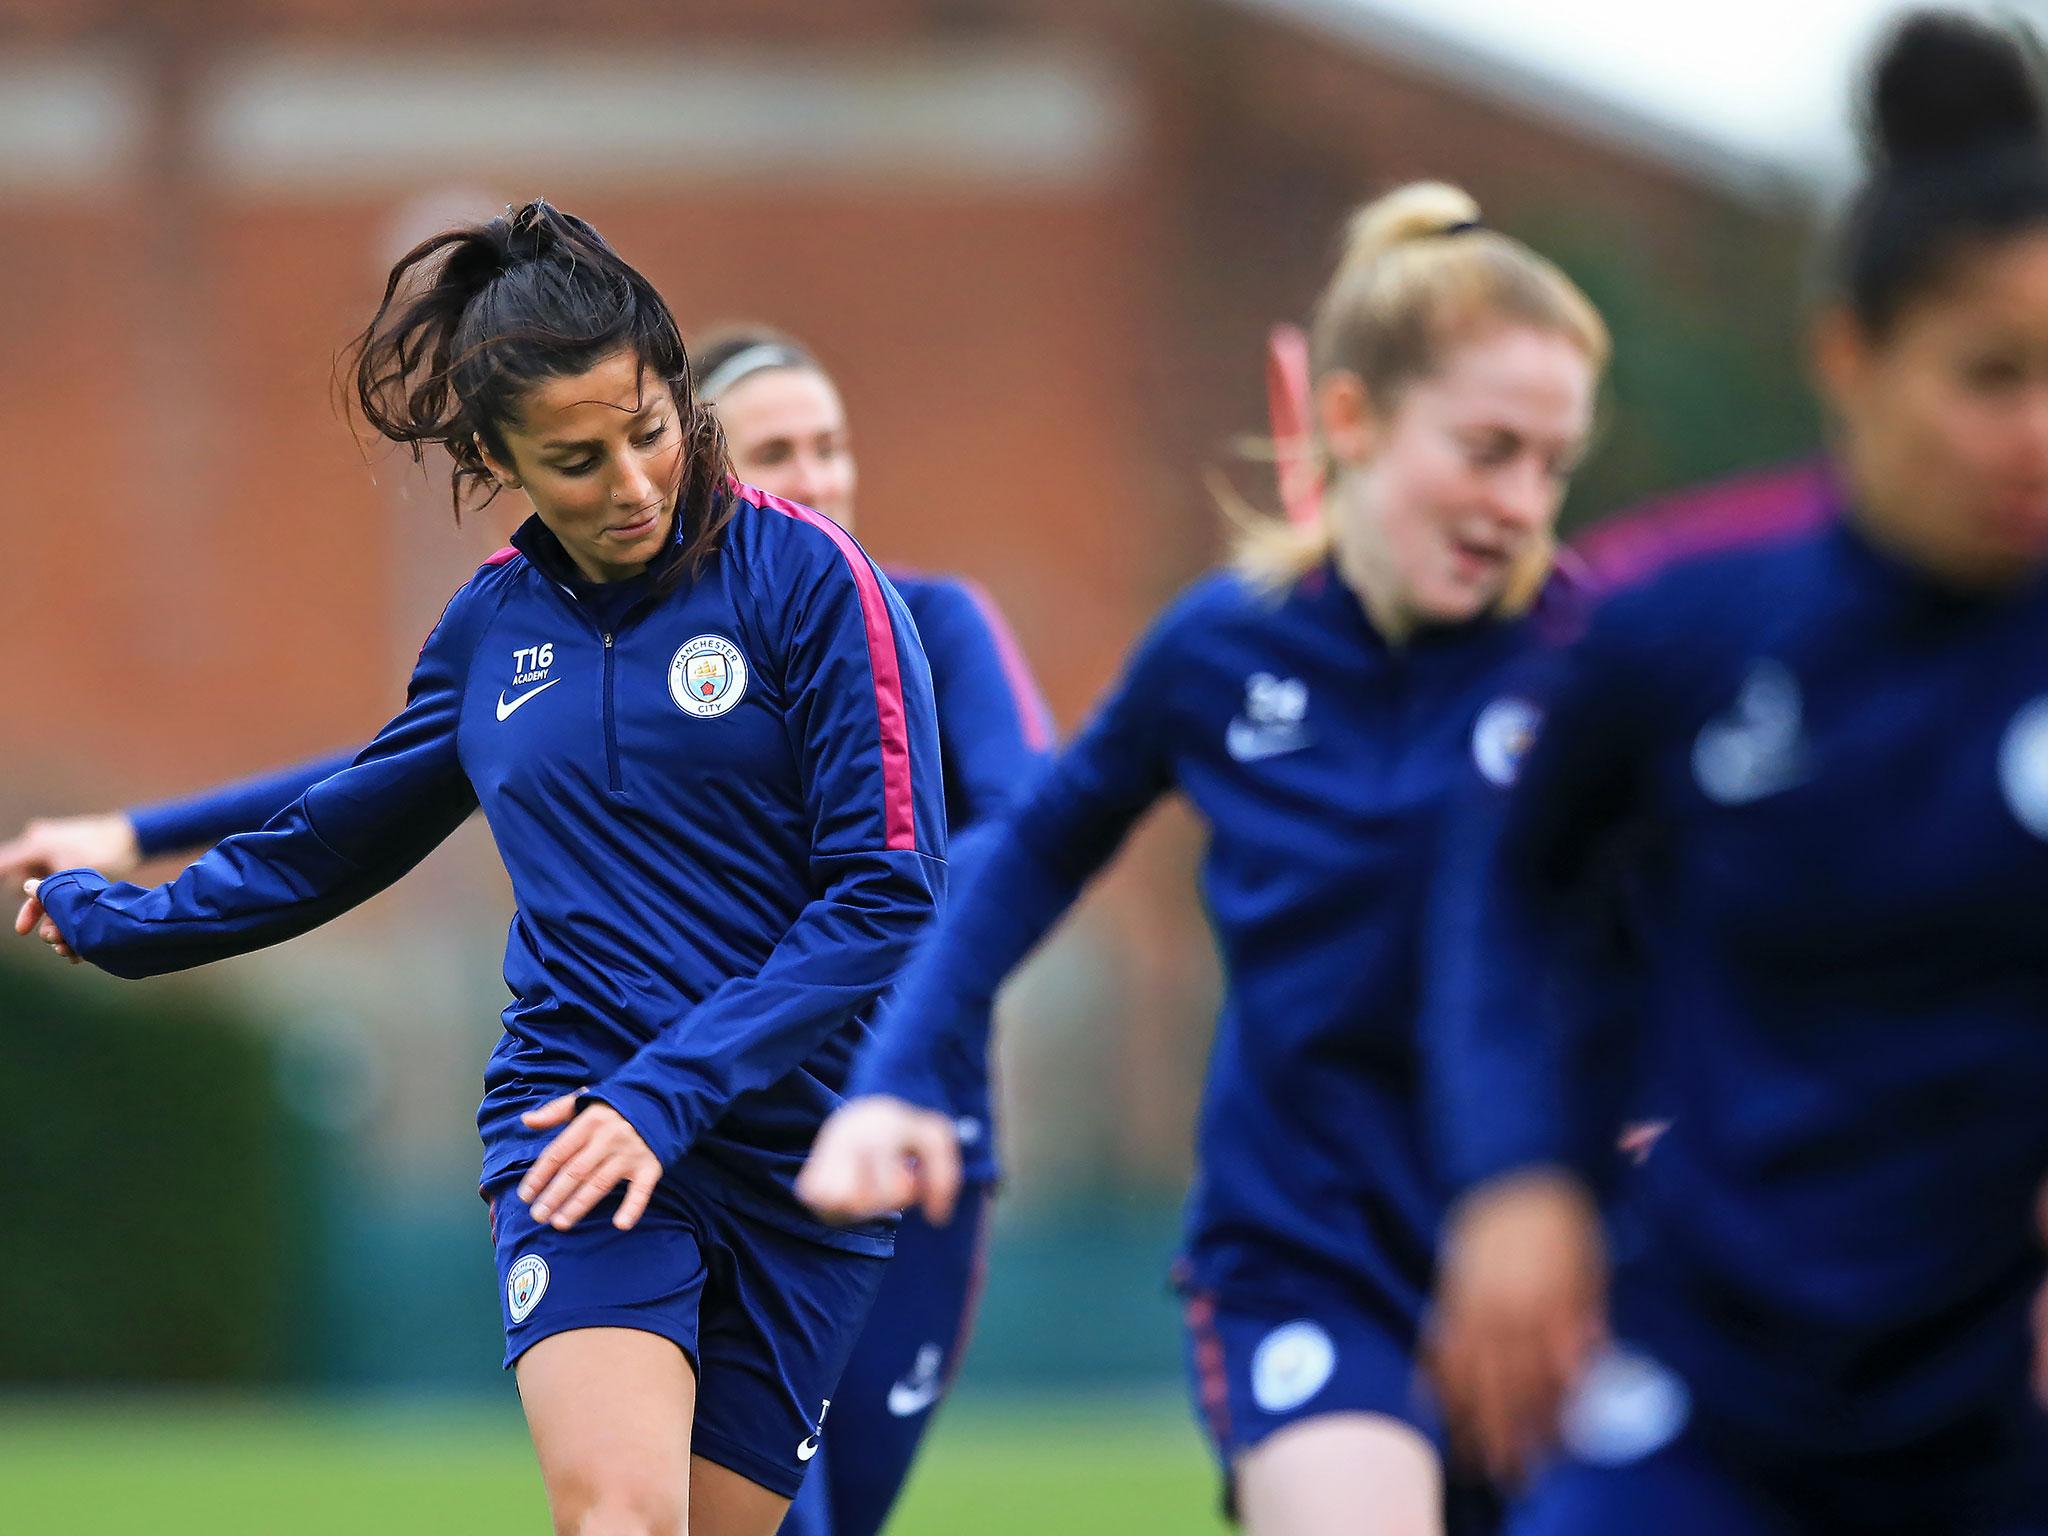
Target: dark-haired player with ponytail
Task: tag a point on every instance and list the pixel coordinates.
(1823, 767)
(786, 433)
(700, 725)
(1315, 703)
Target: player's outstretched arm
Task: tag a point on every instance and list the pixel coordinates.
(105, 842)
(338, 844)
(115, 842)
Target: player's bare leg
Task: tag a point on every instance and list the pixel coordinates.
(723, 1503)
(610, 1410)
(1342, 1474)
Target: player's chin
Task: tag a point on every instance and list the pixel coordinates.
(1459, 599)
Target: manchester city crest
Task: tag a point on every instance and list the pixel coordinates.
(525, 1283)
(707, 676)
(2023, 767)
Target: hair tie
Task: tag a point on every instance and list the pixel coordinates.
(527, 235)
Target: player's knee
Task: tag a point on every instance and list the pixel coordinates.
(627, 1510)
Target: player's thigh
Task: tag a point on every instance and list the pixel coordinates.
(610, 1411)
(1342, 1474)
(810, 1512)
(724, 1503)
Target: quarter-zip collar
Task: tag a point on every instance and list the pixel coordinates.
(608, 604)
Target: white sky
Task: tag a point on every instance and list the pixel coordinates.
(1769, 79)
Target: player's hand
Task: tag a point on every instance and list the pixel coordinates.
(1521, 1302)
(599, 1150)
(32, 919)
(105, 843)
(878, 1154)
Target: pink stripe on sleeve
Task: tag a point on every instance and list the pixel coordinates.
(1023, 690)
(899, 812)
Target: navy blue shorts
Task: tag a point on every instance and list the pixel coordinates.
(899, 1372)
(1257, 1363)
(765, 1317)
(1639, 1459)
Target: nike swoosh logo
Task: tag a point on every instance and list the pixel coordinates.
(505, 708)
(808, 1449)
(908, 1397)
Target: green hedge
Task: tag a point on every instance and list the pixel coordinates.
(151, 1231)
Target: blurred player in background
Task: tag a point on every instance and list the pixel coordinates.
(788, 434)
(700, 726)
(1824, 763)
(1313, 703)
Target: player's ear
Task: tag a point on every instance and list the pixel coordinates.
(501, 472)
(1345, 412)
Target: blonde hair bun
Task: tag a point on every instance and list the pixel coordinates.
(1420, 210)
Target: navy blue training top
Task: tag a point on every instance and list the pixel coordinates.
(722, 819)
(1319, 757)
(1827, 779)
(994, 734)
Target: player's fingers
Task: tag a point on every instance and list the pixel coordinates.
(1444, 1360)
(1486, 1406)
(936, 1145)
(865, 1180)
(47, 932)
(639, 1190)
(17, 860)
(817, 1181)
(848, 1177)
(554, 1112)
(552, 1156)
(826, 1183)
(1511, 1373)
(31, 913)
(2041, 1346)
(583, 1161)
(595, 1185)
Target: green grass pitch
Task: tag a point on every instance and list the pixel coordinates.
(178, 1465)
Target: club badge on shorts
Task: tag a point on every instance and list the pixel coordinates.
(707, 676)
(1291, 1365)
(2023, 767)
(525, 1283)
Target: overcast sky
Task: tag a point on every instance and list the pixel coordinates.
(1768, 79)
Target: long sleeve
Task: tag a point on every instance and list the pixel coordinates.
(934, 1031)
(339, 843)
(861, 715)
(203, 819)
(1521, 995)
(993, 723)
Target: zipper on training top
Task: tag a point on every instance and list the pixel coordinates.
(611, 729)
(611, 732)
